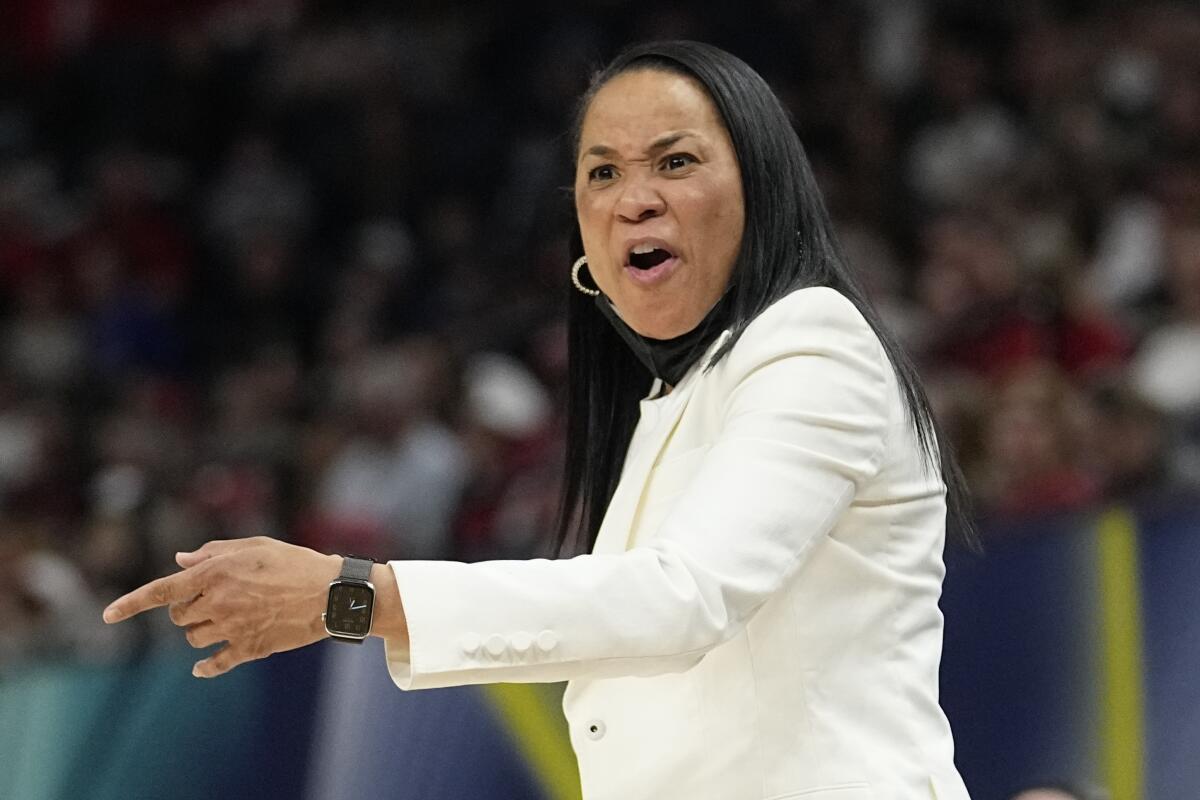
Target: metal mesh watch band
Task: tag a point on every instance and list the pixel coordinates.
(356, 568)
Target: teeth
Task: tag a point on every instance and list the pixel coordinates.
(642, 249)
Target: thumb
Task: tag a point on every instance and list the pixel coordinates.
(216, 547)
(186, 560)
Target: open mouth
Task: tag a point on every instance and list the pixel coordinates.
(648, 257)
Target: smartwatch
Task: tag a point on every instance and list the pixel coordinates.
(351, 603)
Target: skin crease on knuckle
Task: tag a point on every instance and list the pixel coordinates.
(193, 638)
(184, 612)
(656, 163)
(160, 593)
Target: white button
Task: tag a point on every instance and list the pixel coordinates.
(470, 643)
(496, 645)
(595, 729)
(521, 642)
(547, 641)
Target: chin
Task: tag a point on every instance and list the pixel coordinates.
(658, 329)
(653, 322)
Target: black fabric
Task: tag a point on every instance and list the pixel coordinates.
(669, 359)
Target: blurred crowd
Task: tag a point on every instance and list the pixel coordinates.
(298, 268)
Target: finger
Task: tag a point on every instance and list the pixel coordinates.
(204, 634)
(171, 589)
(186, 613)
(220, 662)
(216, 547)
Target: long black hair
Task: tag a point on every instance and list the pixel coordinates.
(788, 243)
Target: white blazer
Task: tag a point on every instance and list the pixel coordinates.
(758, 619)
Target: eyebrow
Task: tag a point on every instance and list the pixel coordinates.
(657, 146)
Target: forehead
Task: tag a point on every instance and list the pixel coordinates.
(637, 107)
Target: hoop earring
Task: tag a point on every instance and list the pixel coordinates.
(579, 264)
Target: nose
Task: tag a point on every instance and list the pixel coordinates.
(639, 201)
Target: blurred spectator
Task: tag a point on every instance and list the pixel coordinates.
(1133, 456)
(43, 344)
(1034, 446)
(255, 192)
(1165, 370)
(394, 481)
(132, 324)
(970, 290)
(510, 505)
(47, 607)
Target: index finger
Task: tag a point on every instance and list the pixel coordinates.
(170, 589)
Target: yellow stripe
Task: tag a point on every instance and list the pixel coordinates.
(1121, 653)
(541, 734)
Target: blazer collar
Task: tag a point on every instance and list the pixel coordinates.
(659, 419)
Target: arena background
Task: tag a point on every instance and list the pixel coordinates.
(297, 269)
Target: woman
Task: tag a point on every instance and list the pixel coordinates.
(756, 615)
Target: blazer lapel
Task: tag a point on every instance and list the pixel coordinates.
(643, 454)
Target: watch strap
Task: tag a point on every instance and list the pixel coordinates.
(356, 568)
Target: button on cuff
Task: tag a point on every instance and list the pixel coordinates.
(470, 643)
(547, 640)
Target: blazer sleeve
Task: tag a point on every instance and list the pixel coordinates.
(803, 425)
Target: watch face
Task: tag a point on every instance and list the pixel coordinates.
(348, 612)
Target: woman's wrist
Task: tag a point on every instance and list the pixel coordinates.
(321, 594)
(389, 622)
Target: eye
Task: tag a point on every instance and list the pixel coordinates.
(678, 161)
(604, 172)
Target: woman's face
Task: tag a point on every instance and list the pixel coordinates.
(658, 194)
